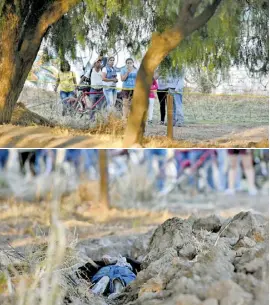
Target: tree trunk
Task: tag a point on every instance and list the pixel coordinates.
(161, 45)
(103, 180)
(23, 24)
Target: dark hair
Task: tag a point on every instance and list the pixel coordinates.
(111, 57)
(132, 61)
(63, 64)
(129, 59)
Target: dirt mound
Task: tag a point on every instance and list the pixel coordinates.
(25, 117)
(207, 261)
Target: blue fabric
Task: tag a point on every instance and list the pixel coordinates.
(3, 157)
(47, 158)
(111, 72)
(131, 79)
(178, 112)
(111, 96)
(149, 155)
(64, 94)
(124, 274)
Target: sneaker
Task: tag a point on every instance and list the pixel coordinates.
(166, 123)
(161, 123)
(230, 191)
(178, 125)
(253, 192)
(150, 122)
(101, 285)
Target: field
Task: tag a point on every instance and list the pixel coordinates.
(210, 121)
(195, 249)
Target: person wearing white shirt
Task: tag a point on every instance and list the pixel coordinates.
(96, 91)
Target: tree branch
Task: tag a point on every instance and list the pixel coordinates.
(40, 23)
(193, 24)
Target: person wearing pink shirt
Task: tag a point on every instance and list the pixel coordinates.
(153, 88)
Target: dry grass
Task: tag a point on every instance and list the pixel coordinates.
(25, 117)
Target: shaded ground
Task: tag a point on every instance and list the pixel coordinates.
(181, 263)
(221, 136)
(210, 121)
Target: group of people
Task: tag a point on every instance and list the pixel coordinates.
(224, 174)
(102, 79)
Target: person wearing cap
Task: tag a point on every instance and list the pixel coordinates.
(109, 77)
(96, 83)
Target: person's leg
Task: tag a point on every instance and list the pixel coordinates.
(95, 107)
(151, 109)
(162, 102)
(4, 153)
(178, 109)
(248, 167)
(125, 108)
(114, 96)
(222, 165)
(63, 96)
(101, 285)
(233, 159)
(107, 95)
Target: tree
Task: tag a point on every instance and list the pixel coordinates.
(194, 15)
(22, 27)
(103, 180)
(237, 34)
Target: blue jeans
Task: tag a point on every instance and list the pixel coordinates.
(124, 274)
(95, 96)
(4, 153)
(64, 95)
(150, 154)
(48, 156)
(178, 113)
(110, 95)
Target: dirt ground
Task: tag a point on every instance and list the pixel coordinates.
(195, 135)
(210, 121)
(137, 233)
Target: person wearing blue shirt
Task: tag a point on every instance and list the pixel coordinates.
(128, 77)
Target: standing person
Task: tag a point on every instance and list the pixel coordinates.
(178, 112)
(67, 81)
(247, 161)
(162, 94)
(128, 76)
(109, 78)
(153, 88)
(96, 91)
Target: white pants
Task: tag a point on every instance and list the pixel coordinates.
(151, 109)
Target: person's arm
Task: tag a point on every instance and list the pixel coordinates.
(74, 79)
(57, 83)
(124, 76)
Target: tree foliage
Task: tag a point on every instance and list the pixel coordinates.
(237, 35)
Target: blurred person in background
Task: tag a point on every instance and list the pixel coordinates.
(48, 158)
(4, 154)
(160, 156)
(246, 158)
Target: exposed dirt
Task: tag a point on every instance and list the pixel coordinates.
(191, 136)
(211, 121)
(188, 256)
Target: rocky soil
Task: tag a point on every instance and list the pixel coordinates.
(197, 261)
